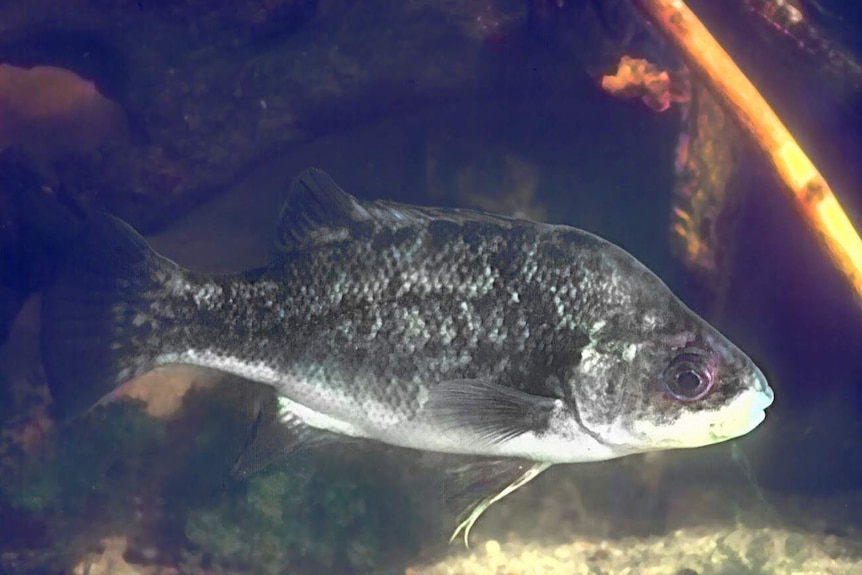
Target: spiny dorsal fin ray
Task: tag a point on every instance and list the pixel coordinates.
(317, 211)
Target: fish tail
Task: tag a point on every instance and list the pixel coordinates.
(97, 314)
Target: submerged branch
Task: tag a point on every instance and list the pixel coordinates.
(809, 189)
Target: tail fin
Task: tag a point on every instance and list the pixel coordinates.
(35, 229)
(95, 329)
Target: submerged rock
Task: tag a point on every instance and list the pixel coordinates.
(695, 551)
(49, 113)
(209, 88)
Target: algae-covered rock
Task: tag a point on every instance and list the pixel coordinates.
(207, 88)
(707, 550)
(164, 486)
(91, 461)
(331, 512)
(79, 482)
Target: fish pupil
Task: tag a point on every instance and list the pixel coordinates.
(686, 378)
(687, 382)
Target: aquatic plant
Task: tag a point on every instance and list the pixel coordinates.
(89, 461)
(318, 512)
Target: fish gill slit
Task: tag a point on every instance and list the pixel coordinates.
(576, 412)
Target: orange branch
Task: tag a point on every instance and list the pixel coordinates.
(811, 193)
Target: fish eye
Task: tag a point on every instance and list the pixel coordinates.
(687, 377)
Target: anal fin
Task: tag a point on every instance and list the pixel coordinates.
(274, 434)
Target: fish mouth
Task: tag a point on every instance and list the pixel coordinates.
(751, 410)
(757, 417)
(760, 398)
(761, 386)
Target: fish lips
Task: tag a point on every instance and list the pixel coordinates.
(759, 396)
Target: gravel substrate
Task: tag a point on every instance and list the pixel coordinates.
(695, 551)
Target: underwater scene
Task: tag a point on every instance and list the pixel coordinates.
(430, 287)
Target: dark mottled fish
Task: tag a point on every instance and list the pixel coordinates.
(436, 329)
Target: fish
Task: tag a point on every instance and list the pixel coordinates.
(436, 329)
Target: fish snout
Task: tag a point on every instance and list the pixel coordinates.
(760, 385)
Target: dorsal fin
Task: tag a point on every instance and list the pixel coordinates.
(317, 211)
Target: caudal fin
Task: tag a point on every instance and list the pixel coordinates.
(97, 331)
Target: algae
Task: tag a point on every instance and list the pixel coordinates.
(87, 461)
(318, 511)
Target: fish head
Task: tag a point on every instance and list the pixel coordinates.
(692, 387)
(663, 378)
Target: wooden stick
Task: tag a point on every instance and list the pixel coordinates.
(809, 189)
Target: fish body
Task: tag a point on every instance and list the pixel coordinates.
(435, 329)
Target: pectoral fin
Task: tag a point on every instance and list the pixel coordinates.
(487, 412)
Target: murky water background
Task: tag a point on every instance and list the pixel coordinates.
(485, 104)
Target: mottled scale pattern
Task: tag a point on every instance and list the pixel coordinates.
(379, 317)
(437, 329)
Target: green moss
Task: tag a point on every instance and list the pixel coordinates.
(322, 512)
(342, 508)
(94, 458)
(36, 492)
